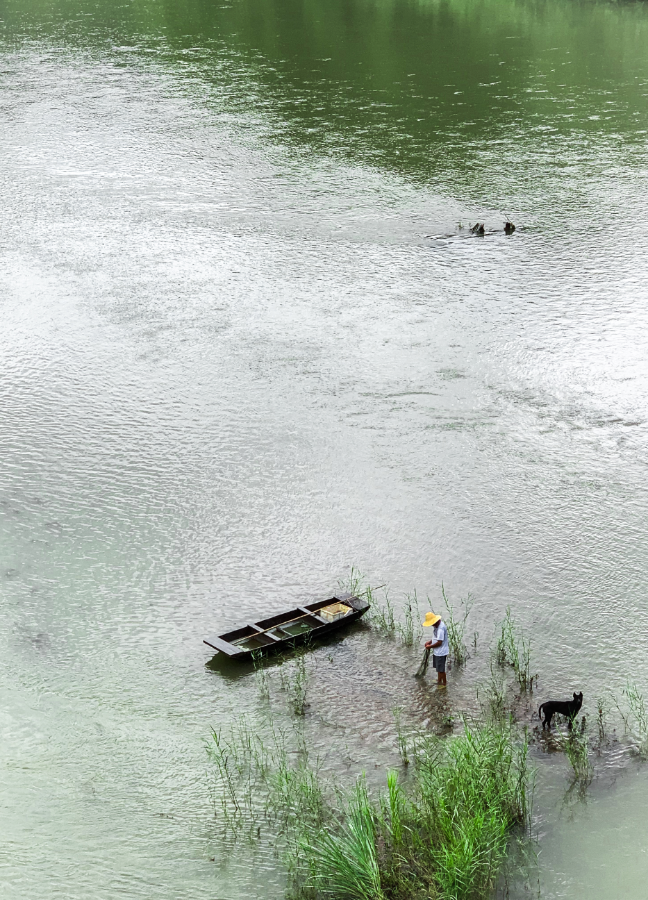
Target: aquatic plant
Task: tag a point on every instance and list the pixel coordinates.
(473, 790)
(397, 808)
(261, 676)
(493, 698)
(637, 719)
(298, 686)
(296, 793)
(601, 712)
(343, 863)
(401, 737)
(447, 838)
(294, 679)
(410, 629)
(457, 627)
(576, 747)
(381, 613)
(273, 779)
(514, 649)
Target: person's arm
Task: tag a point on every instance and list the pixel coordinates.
(433, 644)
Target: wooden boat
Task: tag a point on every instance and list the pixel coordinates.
(287, 629)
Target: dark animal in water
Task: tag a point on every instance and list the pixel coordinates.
(477, 228)
(568, 708)
(509, 227)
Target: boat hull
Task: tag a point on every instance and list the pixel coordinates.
(289, 629)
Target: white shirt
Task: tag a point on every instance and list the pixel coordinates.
(440, 632)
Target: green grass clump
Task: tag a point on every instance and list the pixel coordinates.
(472, 795)
(514, 649)
(456, 625)
(576, 747)
(447, 837)
(344, 862)
(636, 719)
(410, 629)
(444, 835)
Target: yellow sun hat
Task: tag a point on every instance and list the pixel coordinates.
(431, 619)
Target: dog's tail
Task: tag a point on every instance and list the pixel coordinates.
(540, 711)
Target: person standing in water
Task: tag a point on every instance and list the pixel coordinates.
(438, 644)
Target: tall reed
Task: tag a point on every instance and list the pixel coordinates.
(576, 747)
(260, 674)
(638, 716)
(343, 863)
(472, 793)
(448, 839)
(382, 612)
(514, 649)
(401, 737)
(456, 625)
(410, 629)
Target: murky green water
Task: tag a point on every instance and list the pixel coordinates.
(245, 345)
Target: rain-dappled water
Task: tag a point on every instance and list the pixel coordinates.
(248, 342)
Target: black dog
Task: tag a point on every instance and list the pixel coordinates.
(568, 708)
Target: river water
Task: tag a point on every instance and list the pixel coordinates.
(248, 342)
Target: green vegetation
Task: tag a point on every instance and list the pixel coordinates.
(401, 737)
(343, 862)
(576, 747)
(601, 715)
(514, 649)
(270, 778)
(259, 663)
(457, 628)
(636, 717)
(410, 629)
(381, 614)
(494, 698)
(444, 836)
(295, 682)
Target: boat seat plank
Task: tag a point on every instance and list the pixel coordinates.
(313, 615)
(264, 632)
(217, 644)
